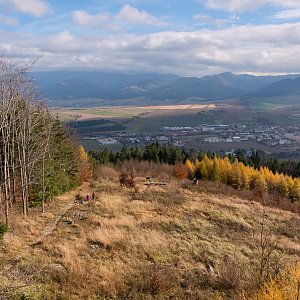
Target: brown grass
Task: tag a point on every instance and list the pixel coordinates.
(163, 242)
(268, 199)
(145, 168)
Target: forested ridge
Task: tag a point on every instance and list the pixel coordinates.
(38, 158)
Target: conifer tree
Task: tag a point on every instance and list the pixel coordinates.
(295, 191)
(235, 177)
(258, 182)
(85, 168)
(190, 168)
(201, 172)
(215, 175)
(283, 186)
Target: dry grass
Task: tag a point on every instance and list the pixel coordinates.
(269, 199)
(161, 243)
(144, 168)
(127, 112)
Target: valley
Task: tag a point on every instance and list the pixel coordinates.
(111, 110)
(220, 126)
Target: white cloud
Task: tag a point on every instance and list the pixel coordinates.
(64, 37)
(269, 49)
(85, 19)
(9, 21)
(37, 8)
(288, 14)
(244, 5)
(132, 14)
(233, 5)
(206, 19)
(127, 14)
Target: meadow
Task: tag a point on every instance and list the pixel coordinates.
(179, 241)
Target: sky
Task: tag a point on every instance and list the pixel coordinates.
(183, 37)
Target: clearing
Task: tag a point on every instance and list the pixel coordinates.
(172, 242)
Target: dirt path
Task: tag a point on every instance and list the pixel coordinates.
(51, 224)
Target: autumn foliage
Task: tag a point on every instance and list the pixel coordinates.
(180, 171)
(239, 176)
(85, 167)
(284, 286)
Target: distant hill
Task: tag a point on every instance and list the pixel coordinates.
(62, 87)
(282, 88)
(225, 86)
(81, 84)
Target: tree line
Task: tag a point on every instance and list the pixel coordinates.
(239, 170)
(167, 153)
(38, 158)
(241, 176)
(154, 152)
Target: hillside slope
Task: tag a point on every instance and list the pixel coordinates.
(173, 241)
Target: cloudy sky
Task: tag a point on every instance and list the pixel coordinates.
(184, 37)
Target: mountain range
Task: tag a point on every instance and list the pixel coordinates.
(61, 88)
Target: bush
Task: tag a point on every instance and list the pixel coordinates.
(127, 180)
(108, 172)
(146, 168)
(283, 286)
(79, 197)
(180, 171)
(3, 229)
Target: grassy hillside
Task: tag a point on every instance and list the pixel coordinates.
(174, 242)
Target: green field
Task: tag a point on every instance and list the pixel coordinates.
(90, 145)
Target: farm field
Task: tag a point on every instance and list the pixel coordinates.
(80, 114)
(152, 118)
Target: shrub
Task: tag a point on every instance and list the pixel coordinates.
(79, 197)
(127, 180)
(108, 172)
(3, 229)
(283, 286)
(180, 171)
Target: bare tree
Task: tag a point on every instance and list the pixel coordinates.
(267, 242)
(24, 136)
